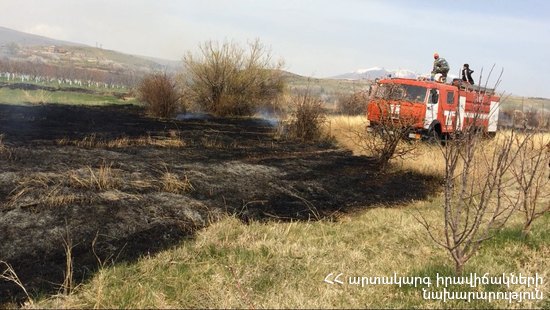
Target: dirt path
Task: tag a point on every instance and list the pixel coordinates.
(157, 183)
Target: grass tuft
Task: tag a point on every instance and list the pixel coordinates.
(92, 141)
(172, 183)
(101, 178)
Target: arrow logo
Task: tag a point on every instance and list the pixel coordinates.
(335, 280)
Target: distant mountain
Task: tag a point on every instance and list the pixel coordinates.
(20, 46)
(10, 36)
(376, 73)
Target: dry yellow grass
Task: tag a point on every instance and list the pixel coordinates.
(350, 131)
(41, 189)
(91, 141)
(343, 127)
(54, 197)
(104, 177)
(427, 158)
(283, 265)
(172, 183)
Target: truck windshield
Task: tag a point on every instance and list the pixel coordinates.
(402, 92)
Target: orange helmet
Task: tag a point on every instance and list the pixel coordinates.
(436, 55)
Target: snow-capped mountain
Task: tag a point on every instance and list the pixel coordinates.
(404, 73)
(375, 73)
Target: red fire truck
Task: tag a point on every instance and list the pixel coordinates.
(431, 108)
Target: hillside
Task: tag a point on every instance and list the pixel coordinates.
(16, 46)
(10, 37)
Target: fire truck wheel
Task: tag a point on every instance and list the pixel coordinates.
(434, 135)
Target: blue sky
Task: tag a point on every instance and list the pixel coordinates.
(318, 38)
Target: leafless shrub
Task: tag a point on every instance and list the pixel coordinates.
(474, 204)
(352, 104)
(226, 80)
(159, 92)
(387, 138)
(477, 189)
(306, 118)
(530, 174)
(533, 119)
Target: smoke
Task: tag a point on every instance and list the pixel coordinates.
(193, 116)
(268, 115)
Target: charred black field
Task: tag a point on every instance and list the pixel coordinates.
(116, 185)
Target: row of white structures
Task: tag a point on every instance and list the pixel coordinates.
(60, 81)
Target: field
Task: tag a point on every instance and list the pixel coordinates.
(209, 212)
(31, 93)
(525, 104)
(282, 265)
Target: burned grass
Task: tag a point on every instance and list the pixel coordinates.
(124, 185)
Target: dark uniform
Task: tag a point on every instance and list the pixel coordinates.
(467, 74)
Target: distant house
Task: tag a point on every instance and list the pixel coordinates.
(60, 50)
(56, 49)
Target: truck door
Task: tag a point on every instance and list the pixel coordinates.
(449, 106)
(432, 108)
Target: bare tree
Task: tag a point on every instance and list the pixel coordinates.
(225, 79)
(533, 184)
(477, 189)
(475, 186)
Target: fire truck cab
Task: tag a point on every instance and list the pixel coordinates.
(431, 108)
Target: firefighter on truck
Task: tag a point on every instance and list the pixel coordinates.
(440, 69)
